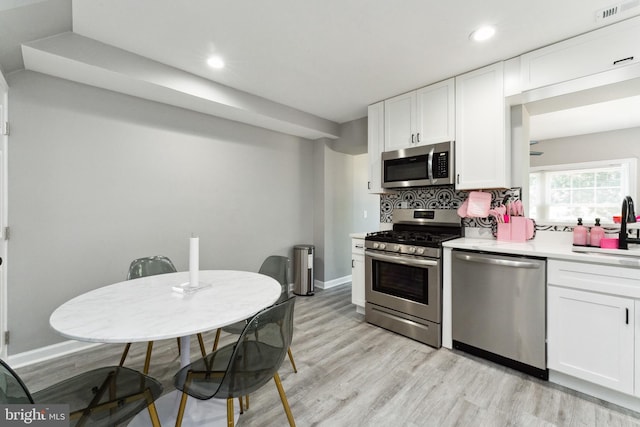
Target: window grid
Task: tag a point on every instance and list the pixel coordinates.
(573, 191)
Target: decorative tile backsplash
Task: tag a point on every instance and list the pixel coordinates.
(447, 197)
(440, 197)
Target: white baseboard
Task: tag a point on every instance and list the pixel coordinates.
(332, 283)
(49, 352)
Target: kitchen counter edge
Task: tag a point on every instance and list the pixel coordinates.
(553, 245)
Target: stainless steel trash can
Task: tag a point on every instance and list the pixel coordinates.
(303, 270)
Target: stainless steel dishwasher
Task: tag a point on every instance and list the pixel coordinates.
(499, 309)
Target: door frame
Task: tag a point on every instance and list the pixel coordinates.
(4, 140)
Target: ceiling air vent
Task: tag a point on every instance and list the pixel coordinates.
(616, 9)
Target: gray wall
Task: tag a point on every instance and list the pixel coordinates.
(318, 204)
(97, 179)
(338, 208)
(341, 198)
(353, 138)
(617, 144)
(333, 176)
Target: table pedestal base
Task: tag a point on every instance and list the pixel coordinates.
(212, 412)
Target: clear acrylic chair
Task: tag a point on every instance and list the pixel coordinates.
(277, 267)
(107, 396)
(238, 369)
(151, 266)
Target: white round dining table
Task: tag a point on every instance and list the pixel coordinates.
(149, 309)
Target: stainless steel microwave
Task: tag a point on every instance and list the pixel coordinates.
(419, 166)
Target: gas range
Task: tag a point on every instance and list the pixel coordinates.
(403, 273)
(417, 232)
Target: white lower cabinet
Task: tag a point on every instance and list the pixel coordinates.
(357, 274)
(593, 323)
(591, 336)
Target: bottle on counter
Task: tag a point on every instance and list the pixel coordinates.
(597, 234)
(580, 234)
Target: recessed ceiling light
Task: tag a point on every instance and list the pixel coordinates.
(215, 62)
(483, 33)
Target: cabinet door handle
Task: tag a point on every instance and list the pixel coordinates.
(368, 185)
(418, 136)
(627, 310)
(352, 264)
(457, 178)
(630, 58)
(413, 138)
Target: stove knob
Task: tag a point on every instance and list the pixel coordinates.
(396, 248)
(420, 251)
(375, 245)
(412, 249)
(382, 246)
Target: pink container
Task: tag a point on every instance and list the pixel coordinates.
(504, 232)
(518, 229)
(609, 243)
(478, 204)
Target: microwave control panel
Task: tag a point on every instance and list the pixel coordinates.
(441, 165)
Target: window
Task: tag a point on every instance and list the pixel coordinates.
(563, 193)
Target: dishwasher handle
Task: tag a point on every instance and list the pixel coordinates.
(497, 261)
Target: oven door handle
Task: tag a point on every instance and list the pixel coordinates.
(402, 260)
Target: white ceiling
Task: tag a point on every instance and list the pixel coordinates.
(600, 117)
(329, 58)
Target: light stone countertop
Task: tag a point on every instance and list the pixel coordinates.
(358, 235)
(147, 309)
(547, 244)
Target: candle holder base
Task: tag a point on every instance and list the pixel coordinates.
(188, 288)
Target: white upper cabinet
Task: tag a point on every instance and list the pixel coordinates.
(600, 50)
(482, 140)
(400, 121)
(436, 113)
(375, 146)
(424, 116)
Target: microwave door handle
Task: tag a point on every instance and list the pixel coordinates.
(430, 166)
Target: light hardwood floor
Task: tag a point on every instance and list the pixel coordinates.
(351, 373)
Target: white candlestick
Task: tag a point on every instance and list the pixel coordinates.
(194, 261)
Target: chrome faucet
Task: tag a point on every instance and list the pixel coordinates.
(628, 216)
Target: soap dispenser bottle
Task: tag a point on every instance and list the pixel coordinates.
(597, 234)
(580, 234)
